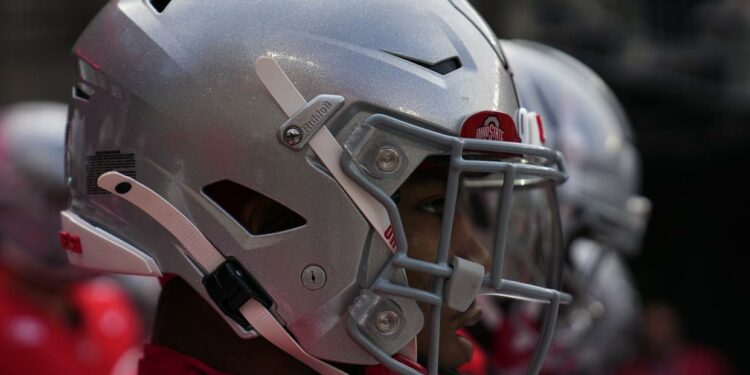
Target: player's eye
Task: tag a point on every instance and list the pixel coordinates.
(434, 206)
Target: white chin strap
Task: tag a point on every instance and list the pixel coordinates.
(204, 254)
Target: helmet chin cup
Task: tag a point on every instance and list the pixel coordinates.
(464, 284)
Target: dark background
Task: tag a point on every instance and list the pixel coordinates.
(681, 69)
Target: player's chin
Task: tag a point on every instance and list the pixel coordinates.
(455, 350)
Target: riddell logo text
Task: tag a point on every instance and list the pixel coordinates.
(317, 116)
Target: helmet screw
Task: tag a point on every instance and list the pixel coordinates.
(293, 135)
(313, 277)
(386, 322)
(596, 310)
(388, 159)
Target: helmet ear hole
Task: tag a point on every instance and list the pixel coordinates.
(257, 213)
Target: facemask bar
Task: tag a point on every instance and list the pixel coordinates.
(440, 270)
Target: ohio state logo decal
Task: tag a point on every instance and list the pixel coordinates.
(490, 125)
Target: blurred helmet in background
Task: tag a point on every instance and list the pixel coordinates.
(603, 216)
(585, 121)
(32, 190)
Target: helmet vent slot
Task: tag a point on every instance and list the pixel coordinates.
(442, 67)
(257, 213)
(159, 5)
(82, 92)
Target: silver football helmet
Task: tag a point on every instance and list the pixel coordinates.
(586, 122)
(320, 110)
(603, 216)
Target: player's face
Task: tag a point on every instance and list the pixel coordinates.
(421, 205)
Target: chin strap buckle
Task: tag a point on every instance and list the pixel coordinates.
(231, 286)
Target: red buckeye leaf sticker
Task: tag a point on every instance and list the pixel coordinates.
(490, 125)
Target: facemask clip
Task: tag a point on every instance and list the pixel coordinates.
(464, 284)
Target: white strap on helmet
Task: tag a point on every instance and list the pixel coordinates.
(324, 145)
(202, 252)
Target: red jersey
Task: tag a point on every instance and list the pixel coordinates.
(104, 340)
(158, 360)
